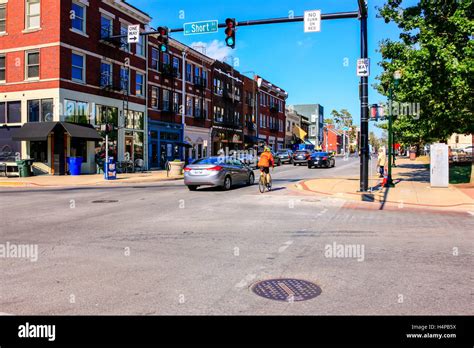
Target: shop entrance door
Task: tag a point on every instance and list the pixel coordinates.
(166, 153)
(59, 152)
(154, 160)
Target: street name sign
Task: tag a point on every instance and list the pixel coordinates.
(363, 67)
(312, 21)
(202, 27)
(133, 33)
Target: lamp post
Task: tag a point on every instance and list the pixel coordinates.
(396, 78)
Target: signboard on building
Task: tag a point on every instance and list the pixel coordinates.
(312, 21)
(363, 67)
(133, 33)
(202, 27)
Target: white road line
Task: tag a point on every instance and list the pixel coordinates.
(2, 313)
(471, 212)
(244, 282)
(285, 246)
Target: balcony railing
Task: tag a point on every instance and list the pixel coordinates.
(168, 70)
(200, 82)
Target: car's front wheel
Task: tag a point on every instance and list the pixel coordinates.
(227, 183)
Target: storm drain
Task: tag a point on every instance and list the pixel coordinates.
(105, 201)
(287, 290)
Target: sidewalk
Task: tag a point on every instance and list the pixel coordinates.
(412, 188)
(85, 180)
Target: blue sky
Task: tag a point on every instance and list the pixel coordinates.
(311, 67)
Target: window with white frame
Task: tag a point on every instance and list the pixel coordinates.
(123, 40)
(176, 65)
(154, 97)
(106, 26)
(3, 18)
(105, 74)
(78, 67)
(189, 105)
(155, 58)
(78, 17)
(3, 68)
(166, 100)
(189, 72)
(139, 84)
(140, 46)
(33, 14)
(197, 107)
(176, 97)
(32, 65)
(124, 79)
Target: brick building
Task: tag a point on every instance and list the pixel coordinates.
(59, 65)
(271, 113)
(249, 112)
(227, 128)
(168, 130)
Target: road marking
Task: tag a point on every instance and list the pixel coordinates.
(285, 246)
(244, 282)
(2, 313)
(471, 212)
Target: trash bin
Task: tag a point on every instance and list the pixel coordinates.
(75, 164)
(412, 155)
(24, 167)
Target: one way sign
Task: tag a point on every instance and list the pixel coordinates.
(133, 33)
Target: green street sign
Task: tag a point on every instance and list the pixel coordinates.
(203, 27)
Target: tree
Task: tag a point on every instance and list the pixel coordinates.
(435, 55)
(342, 118)
(328, 121)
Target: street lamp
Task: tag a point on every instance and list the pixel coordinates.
(397, 75)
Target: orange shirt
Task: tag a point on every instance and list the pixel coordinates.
(266, 159)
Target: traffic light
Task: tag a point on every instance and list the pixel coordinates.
(374, 112)
(230, 32)
(163, 32)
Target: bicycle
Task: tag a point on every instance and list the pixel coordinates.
(262, 183)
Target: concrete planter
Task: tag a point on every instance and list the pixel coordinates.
(176, 168)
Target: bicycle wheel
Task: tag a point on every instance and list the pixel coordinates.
(261, 184)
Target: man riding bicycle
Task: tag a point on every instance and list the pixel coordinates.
(266, 160)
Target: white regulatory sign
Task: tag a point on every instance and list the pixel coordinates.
(363, 67)
(312, 21)
(133, 33)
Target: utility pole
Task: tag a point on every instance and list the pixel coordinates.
(183, 93)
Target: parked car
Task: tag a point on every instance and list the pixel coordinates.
(301, 157)
(459, 156)
(286, 156)
(468, 149)
(217, 171)
(321, 159)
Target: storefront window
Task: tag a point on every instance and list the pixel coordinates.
(39, 151)
(134, 120)
(76, 112)
(104, 115)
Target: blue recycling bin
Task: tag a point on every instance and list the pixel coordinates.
(110, 171)
(75, 164)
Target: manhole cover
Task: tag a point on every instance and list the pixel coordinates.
(105, 201)
(287, 290)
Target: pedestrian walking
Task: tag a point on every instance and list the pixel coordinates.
(381, 161)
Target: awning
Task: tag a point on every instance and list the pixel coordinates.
(183, 144)
(38, 131)
(250, 139)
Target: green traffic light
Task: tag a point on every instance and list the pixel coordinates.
(163, 48)
(230, 41)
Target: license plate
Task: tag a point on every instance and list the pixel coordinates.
(197, 172)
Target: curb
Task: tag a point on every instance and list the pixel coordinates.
(305, 187)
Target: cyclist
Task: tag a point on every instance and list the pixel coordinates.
(266, 160)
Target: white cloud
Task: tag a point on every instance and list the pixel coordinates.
(215, 49)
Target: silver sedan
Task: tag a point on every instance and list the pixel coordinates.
(217, 171)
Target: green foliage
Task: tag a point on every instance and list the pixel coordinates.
(435, 54)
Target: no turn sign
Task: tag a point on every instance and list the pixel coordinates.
(312, 21)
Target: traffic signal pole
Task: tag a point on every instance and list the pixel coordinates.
(361, 14)
(364, 103)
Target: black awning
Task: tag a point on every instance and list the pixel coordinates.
(81, 131)
(250, 139)
(183, 144)
(37, 131)
(34, 131)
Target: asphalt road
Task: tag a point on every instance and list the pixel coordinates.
(161, 249)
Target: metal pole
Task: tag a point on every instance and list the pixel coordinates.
(344, 143)
(364, 104)
(106, 156)
(183, 101)
(390, 145)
